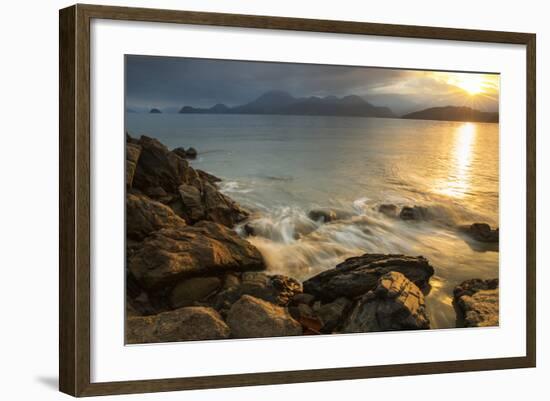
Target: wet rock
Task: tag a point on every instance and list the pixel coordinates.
(395, 304)
(180, 152)
(308, 319)
(303, 298)
(132, 156)
(220, 208)
(192, 290)
(191, 153)
(144, 215)
(190, 323)
(323, 216)
(328, 215)
(477, 303)
(333, 314)
(212, 179)
(358, 275)
(482, 232)
(251, 317)
(158, 167)
(172, 254)
(413, 213)
(388, 209)
(277, 289)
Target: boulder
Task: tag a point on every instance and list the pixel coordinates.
(220, 208)
(172, 254)
(180, 152)
(482, 232)
(212, 179)
(251, 317)
(388, 209)
(144, 215)
(328, 215)
(303, 298)
(192, 290)
(132, 156)
(358, 275)
(395, 304)
(477, 303)
(190, 205)
(191, 323)
(413, 213)
(191, 153)
(333, 314)
(158, 167)
(277, 289)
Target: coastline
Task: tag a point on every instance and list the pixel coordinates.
(192, 277)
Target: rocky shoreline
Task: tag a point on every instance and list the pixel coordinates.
(191, 276)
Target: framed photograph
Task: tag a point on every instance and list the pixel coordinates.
(306, 200)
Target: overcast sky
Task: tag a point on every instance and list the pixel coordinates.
(169, 83)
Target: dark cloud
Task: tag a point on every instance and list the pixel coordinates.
(170, 83)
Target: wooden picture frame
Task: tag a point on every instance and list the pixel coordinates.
(74, 205)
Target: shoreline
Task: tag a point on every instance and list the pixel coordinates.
(187, 264)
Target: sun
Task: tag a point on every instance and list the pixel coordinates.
(472, 84)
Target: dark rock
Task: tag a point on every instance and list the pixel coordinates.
(220, 208)
(251, 317)
(303, 298)
(328, 215)
(358, 275)
(132, 156)
(212, 179)
(158, 167)
(414, 213)
(191, 153)
(388, 209)
(140, 305)
(155, 111)
(231, 280)
(477, 303)
(322, 216)
(144, 215)
(172, 254)
(194, 289)
(276, 289)
(180, 152)
(333, 314)
(249, 230)
(192, 208)
(482, 232)
(395, 304)
(190, 323)
(156, 193)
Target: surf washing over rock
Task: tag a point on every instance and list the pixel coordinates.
(200, 266)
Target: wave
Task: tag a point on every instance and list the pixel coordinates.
(234, 187)
(294, 244)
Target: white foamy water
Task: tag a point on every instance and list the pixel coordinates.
(281, 167)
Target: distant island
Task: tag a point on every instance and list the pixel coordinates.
(279, 102)
(283, 103)
(454, 113)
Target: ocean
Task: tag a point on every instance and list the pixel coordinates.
(282, 167)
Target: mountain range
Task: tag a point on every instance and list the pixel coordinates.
(454, 113)
(279, 102)
(283, 103)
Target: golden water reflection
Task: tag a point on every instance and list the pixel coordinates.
(458, 182)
